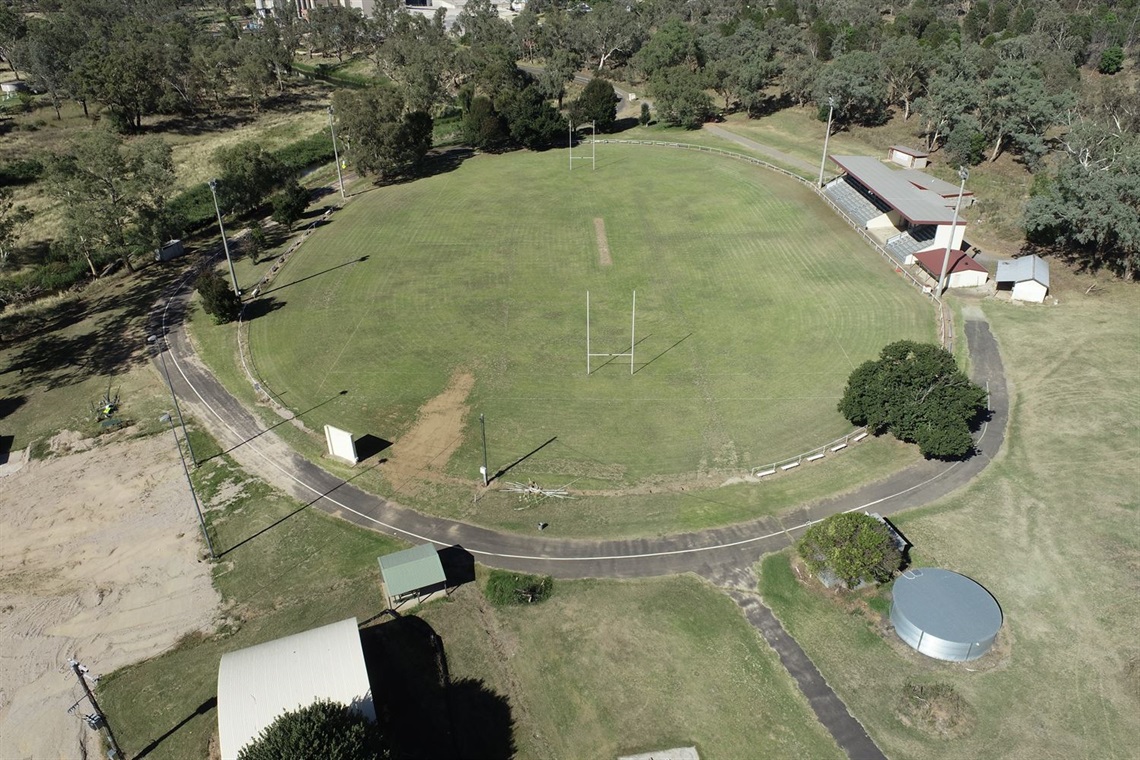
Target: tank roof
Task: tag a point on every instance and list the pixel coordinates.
(947, 605)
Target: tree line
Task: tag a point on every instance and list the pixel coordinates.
(977, 80)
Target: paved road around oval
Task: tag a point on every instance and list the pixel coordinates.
(264, 454)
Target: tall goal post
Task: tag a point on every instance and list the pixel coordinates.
(632, 336)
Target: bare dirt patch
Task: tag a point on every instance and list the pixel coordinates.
(604, 257)
(99, 561)
(936, 709)
(423, 451)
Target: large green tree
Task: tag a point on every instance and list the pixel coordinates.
(1016, 110)
(917, 393)
(14, 218)
(680, 97)
(383, 137)
(324, 729)
(113, 194)
(854, 546)
(249, 173)
(856, 82)
(597, 103)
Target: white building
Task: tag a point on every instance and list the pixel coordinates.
(1027, 277)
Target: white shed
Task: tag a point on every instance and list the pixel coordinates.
(258, 684)
(962, 271)
(908, 157)
(1027, 277)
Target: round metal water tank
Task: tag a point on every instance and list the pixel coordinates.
(944, 615)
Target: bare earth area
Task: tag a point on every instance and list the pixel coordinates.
(99, 560)
(426, 448)
(604, 257)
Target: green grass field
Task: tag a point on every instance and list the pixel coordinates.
(1049, 528)
(754, 303)
(602, 667)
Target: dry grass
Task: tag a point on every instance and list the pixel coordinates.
(1049, 529)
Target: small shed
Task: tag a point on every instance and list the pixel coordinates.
(944, 615)
(964, 272)
(1027, 277)
(171, 249)
(13, 88)
(414, 572)
(258, 684)
(911, 158)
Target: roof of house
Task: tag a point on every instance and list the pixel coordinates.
(411, 569)
(916, 204)
(960, 261)
(258, 684)
(910, 151)
(1022, 269)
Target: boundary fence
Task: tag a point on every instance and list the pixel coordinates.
(945, 320)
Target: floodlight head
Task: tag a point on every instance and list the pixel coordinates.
(831, 101)
(213, 184)
(165, 417)
(964, 173)
(152, 339)
(330, 110)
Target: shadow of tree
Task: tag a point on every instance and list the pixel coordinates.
(420, 710)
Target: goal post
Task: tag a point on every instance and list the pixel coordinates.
(632, 337)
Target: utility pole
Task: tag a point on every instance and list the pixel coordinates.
(189, 482)
(225, 244)
(153, 340)
(826, 137)
(943, 278)
(483, 427)
(98, 719)
(336, 154)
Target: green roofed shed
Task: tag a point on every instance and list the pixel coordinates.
(412, 572)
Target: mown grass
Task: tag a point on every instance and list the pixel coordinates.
(751, 313)
(1049, 528)
(599, 668)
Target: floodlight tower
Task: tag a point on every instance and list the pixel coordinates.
(222, 229)
(336, 154)
(826, 136)
(964, 174)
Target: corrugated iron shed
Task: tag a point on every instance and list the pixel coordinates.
(411, 570)
(260, 683)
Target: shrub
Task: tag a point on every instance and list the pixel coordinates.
(289, 205)
(598, 103)
(322, 730)
(505, 588)
(218, 298)
(20, 172)
(854, 546)
(1111, 61)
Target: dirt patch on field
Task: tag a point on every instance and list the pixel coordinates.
(100, 562)
(604, 257)
(426, 448)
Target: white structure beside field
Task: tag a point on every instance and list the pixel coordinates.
(258, 684)
(1027, 277)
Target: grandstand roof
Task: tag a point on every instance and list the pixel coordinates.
(917, 204)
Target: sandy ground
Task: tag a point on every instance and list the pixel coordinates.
(99, 560)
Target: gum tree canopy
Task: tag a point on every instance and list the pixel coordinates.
(915, 391)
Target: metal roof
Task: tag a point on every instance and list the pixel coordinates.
(924, 181)
(917, 205)
(960, 261)
(411, 569)
(910, 151)
(1022, 269)
(947, 605)
(258, 684)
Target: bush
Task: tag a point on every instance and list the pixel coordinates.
(854, 546)
(1111, 61)
(598, 103)
(966, 142)
(289, 205)
(322, 730)
(643, 119)
(20, 172)
(218, 298)
(506, 588)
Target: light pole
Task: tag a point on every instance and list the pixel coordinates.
(225, 245)
(193, 493)
(483, 427)
(826, 137)
(336, 154)
(153, 340)
(964, 174)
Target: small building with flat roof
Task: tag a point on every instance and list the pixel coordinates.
(415, 572)
(944, 615)
(1027, 277)
(911, 158)
(258, 684)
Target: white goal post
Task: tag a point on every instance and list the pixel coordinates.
(632, 335)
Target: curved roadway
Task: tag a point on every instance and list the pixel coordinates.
(707, 552)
